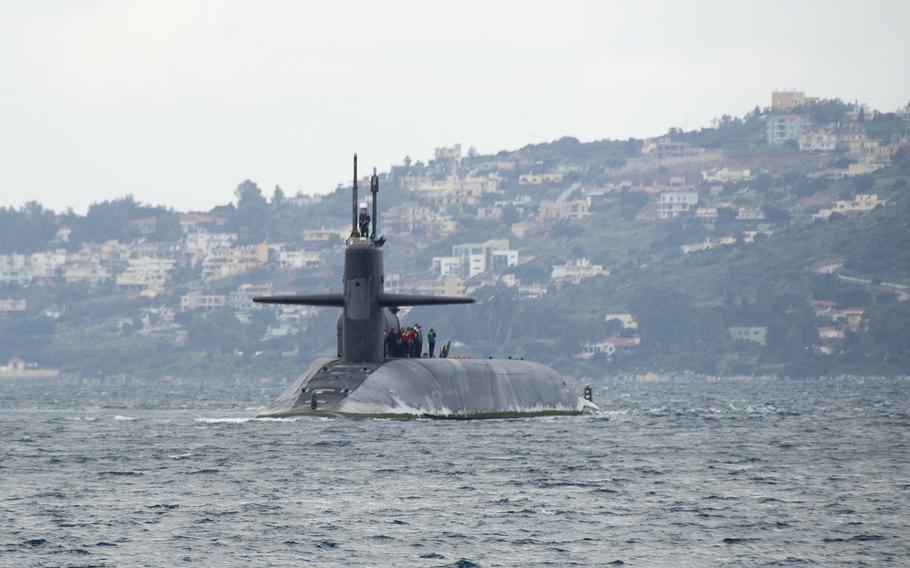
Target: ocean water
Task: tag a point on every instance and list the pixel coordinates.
(673, 473)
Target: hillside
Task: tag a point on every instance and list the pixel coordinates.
(718, 251)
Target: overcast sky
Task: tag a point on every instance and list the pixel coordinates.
(178, 102)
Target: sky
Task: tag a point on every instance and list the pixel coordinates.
(178, 102)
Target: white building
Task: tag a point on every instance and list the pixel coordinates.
(707, 244)
(664, 147)
(749, 214)
(609, 346)
(860, 203)
(202, 243)
(417, 220)
(294, 259)
(322, 235)
(818, 141)
(445, 266)
(92, 272)
(559, 210)
(470, 259)
(447, 160)
(674, 203)
(539, 179)
(577, 270)
(626, 320)
(13, 305)
(493, 212)
(725, 175)
(784, 127)
(458, 191)
(754, 334)
(145, 273)
(589, 350)
(14, 268)
(200, 301)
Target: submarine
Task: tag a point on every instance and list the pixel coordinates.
(362, 380)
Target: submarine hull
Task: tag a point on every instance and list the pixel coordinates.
(428, 388)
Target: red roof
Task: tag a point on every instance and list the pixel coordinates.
(623, 341)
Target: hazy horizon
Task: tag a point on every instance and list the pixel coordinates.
(178, 103)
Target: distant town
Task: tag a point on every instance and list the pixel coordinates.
(772, 243)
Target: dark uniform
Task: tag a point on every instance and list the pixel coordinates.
(431, 341)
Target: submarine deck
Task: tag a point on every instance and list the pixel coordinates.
(428, 388)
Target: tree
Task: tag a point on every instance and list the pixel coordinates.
(167, 227)
(863, 183)
(725, 217)
(774, 214)
(278, 197)
(251, 219)
(248, 195)
(109, 220)
(27, 229)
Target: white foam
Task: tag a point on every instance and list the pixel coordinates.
(222, 420)
(119, 417)
(243, 420)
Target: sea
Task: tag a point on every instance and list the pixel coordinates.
(675, 472)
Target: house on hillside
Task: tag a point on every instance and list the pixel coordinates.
(577, 270)
(664, 147)
(10, 305)
(672, 204)
(626, 320)
(725, 175)
(861, 203)
(608, 347)
(471, 259)
(822, 140)
(561, 210)
(539, 179)
(785, 127)
(202, 301)
(785, 101)
(754, 334)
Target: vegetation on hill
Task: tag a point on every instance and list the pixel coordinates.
(685, 304)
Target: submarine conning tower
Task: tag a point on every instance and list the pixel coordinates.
(367, 309)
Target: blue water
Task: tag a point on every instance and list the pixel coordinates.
(680, 473)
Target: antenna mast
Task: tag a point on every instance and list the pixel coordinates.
(354, 231)
(374, 189)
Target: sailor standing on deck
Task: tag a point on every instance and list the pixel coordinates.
(364, 221)
(418, 341)
(431, 341)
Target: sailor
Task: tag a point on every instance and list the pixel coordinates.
(364, 221)
(431, 341)
(588, 394)
(395, 343)
(418, 341)
(407, 340)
